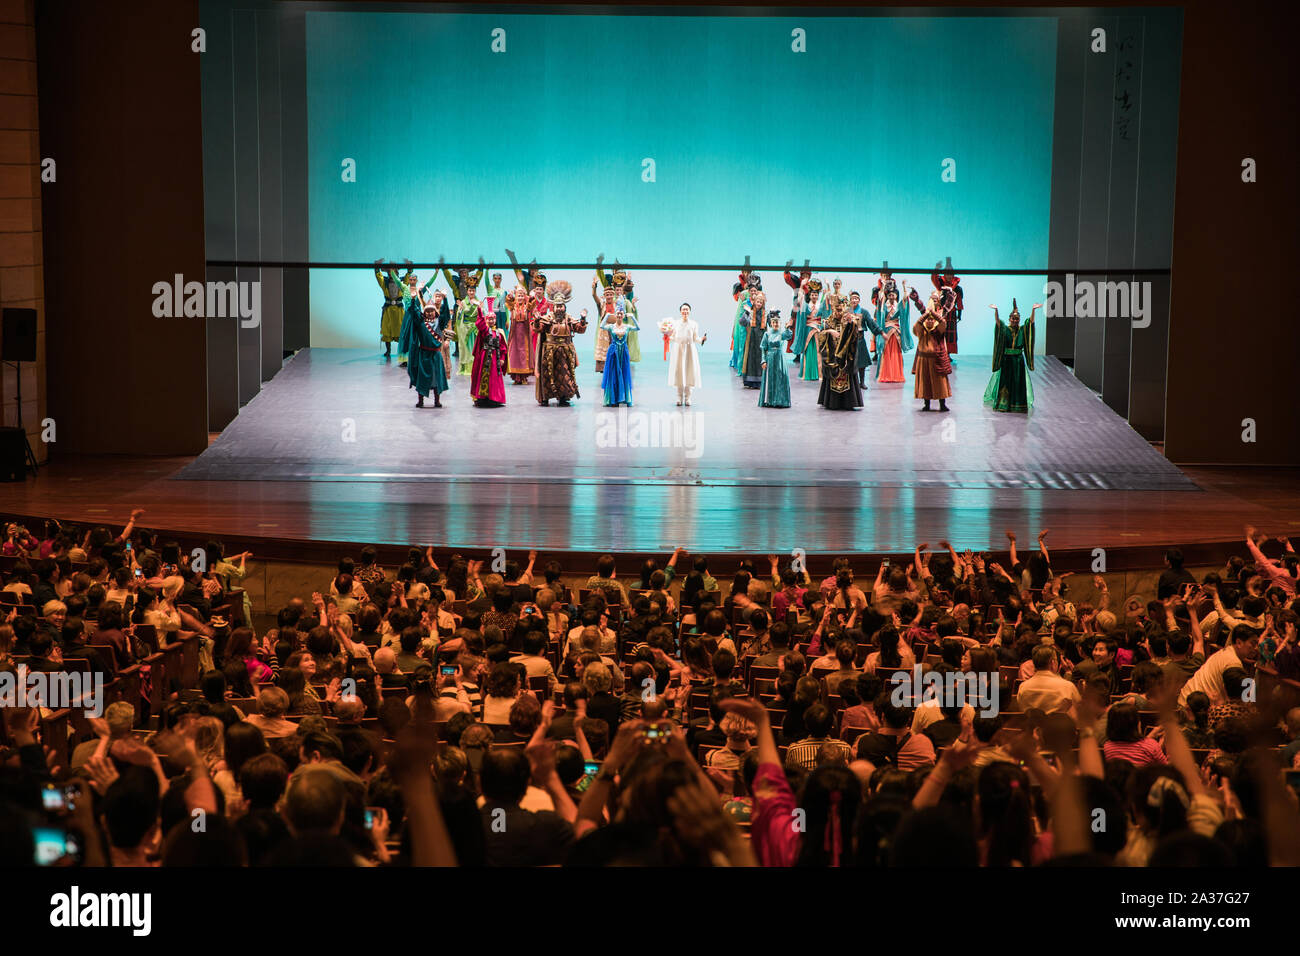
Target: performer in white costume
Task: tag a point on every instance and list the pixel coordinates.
(684, 360)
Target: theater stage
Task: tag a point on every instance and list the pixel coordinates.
(346, 415)
(282, 481)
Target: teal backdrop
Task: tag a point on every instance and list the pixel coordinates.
(836, 154)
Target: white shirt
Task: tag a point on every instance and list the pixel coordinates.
(1051, 693)
(1209, 678)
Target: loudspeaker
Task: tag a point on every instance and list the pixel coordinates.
(13, 452)
(19, 343)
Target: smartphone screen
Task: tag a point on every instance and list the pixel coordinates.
(52, 799)
(448, 670)
(53, 844)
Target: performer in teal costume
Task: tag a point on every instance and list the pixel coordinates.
(422, 341)
(806, 305)
(865, 327)
(1010, 388)
(775, 390)
(738, 332)
(410, 293)
(740, 291)
(809, 358)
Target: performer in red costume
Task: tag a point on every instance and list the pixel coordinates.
(950, 305)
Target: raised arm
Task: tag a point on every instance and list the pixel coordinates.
(958, 565)
(409, 763)
(130, 524)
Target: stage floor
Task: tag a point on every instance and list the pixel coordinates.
(347, 415)
(776, 479)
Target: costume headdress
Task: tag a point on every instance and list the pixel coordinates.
(559, 292)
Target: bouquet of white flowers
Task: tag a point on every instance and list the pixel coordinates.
(666, 327)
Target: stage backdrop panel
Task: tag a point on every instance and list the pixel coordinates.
(835, 154)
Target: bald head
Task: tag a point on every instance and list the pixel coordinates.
(385, 660)
(314, 802)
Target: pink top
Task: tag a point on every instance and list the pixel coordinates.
(775, 839)
(1139, 752)
(258, 672)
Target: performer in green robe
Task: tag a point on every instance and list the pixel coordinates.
(1010, 388)
(468, 311)
(422, 339)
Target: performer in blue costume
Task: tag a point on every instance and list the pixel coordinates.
(775, 390)
(616, 379)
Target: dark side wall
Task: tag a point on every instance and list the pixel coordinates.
(1234, 346)
(119, 110)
